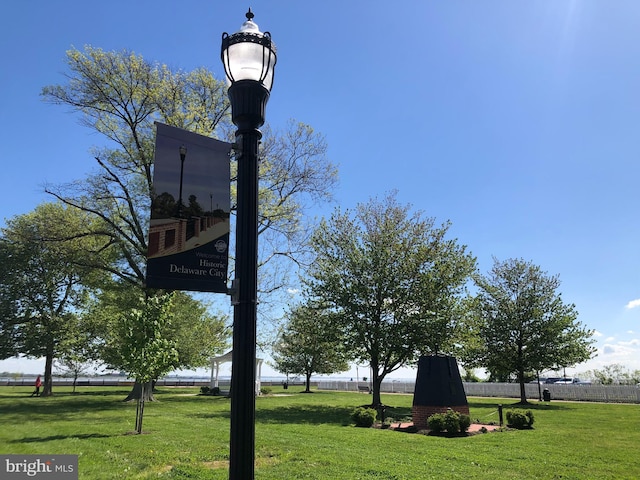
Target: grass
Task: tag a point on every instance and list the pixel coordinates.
(309, 436)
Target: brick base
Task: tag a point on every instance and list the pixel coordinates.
(422, 413)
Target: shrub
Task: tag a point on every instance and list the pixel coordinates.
(209, 391)
(436, 422)
(520, 419)
(363, 417)
(465, 422)
(529, 415)
(265, 390)
(452, 421)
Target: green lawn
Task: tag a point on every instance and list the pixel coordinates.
(309, 436)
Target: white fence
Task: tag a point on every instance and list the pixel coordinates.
(590, 393)
(387, 387)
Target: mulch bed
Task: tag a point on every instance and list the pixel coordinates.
(474, 429)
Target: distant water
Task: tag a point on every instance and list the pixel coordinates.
(221, 378)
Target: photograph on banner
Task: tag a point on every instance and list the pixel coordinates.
(189, 226)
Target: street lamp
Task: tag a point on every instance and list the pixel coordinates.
(183, 155)
(249, 58)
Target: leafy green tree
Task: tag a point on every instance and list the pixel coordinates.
(306, 345)
(48, 284)
(120, 95)
(524, 324)
(616, 374)
(193, 334)
(393, 282)
(73, 364)
(470, 376)
(144, 345)
(80, 354)
(199, 333)
(9, 308)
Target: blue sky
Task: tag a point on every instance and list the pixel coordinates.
(517, 121)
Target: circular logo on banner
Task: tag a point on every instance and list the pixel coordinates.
(221, 246)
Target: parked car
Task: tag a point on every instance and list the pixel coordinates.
(572, 381)
(553, 379)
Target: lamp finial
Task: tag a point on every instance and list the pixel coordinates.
(249, 15)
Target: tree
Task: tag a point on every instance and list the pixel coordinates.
(72, 365)
(199, 333)
(194, 334)
(616, 374)
(9, 310)
(392, 281)
(120, 96)
(47, 286)
(143, 343)
(305, 346)
(523, 323)
(79, 351)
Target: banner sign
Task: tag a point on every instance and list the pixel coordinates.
(189, 227)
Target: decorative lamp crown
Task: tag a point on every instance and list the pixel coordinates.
(249, 54)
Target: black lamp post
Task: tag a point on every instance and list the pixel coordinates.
(183, 155)
(249, 58)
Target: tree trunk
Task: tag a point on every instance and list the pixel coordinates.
(376, 381)
(137, 391)
(47, 385)
(308, 383)
(523, 392)
(144, 387)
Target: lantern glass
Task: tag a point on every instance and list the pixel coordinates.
(249, 55)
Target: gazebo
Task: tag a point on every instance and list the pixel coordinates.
(226, 358)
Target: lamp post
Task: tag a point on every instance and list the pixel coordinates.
(249, 59)
(183, 155)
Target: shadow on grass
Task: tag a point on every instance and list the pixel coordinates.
(192, 399)
(516, 404)
(41, 408)
(52, 438)
(304, 414)
(398, 412)
(64, 393)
